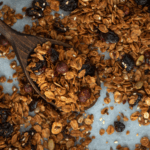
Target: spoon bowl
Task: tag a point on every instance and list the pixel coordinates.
(23, 45)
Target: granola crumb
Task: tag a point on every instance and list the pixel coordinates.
(9, 81)
(102, 132)
(128, 132)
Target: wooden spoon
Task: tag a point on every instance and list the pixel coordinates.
(23, 45)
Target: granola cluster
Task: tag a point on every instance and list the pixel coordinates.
(68, 76)
(69, 79)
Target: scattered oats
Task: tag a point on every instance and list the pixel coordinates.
(100, 119)
(115, 142)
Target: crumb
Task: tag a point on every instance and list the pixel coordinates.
(93, 137)
(100, 119)
(125, 118)
(9, 81)
(115, 142)
(137, 134)
(104, 111)
(104, 122)
(2, 79)
(118, 118)
(102, 131)
(106, 142)
(128, 132)
(111, 107)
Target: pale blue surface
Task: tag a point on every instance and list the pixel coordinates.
(100, 142)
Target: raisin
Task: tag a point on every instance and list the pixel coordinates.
(32, 105)
(39, 3)
(84, 94)
(68, 5)
(39, 65)
(141, 2)
(59, 27)
(7, 129)
(54, 55)
(127, 62)
(3, 41)
(90, 69)
(146, 71)
(31, 132)
(41, 70)
(4, 114)
(34, 12)
(109, 37)
(138, 99)
(24, 139)
(33, 147)
(61, 67)
(119, 126)
(28, 88)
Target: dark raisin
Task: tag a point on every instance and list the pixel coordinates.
(32, 105)
(39, 65)
(7, 129)
(24, 139)
(84, 94)
(4, 113)
(109, 37)
(127, 62)
(31, 132)
(54, 55)
(68, 5)
(34, 12)
(28, 88)
(33, 147)
(90, 69)
(41, 70)
(59, 27)
(148, 9)
(119, 126)
(141, 2)
(138, 99)
(1, 3)
(146, 71)
(3, 41)
(39, 3)
(61, 67)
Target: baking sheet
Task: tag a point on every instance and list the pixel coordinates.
(100, 142)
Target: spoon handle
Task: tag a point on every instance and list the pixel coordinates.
(6, 31)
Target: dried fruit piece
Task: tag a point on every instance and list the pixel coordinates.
(68, 5)
(59, 26)
(84, 94)
(35, 12)
(90, 70)
(28, 88)
(141, 2)
(3, 41)
(32, 105)
(127, 62)
(119, 126)
(54, 55)
(61, 67)
(138, 99)
(109, 37)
